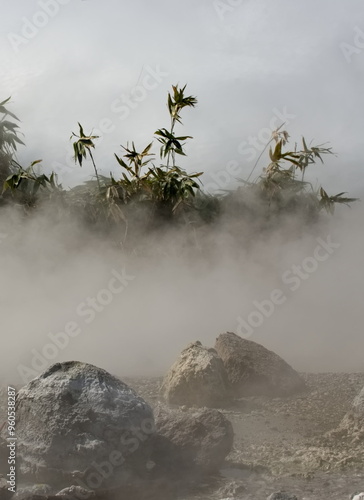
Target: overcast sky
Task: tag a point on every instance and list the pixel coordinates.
(251, 63)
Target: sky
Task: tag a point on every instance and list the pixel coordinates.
(251, 64)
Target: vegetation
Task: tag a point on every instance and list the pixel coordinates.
(9, 141)
(145, 195)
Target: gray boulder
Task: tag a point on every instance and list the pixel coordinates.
(253, 370)
(197, 378)
(79, 425)
(191, 442)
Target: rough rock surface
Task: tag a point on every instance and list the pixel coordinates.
(79, 425)
(281, 495)
(253, 370)
(195, 441)
(358, 409)
(36, 490)
(75, 492)
(280, 444)
(197, 378)
(352, 425)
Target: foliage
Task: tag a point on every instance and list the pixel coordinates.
(9, 140)
(82, 146)
(25, 184)
(280, 184)
(328, 202)
(166, 187)
(172, 145)
(167, 190)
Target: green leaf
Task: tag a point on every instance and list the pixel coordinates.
(6, 101)
(35, 162)
(147, 149)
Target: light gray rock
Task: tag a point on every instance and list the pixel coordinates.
(232, 490)
(253, 370)
(79, 425)
(191, 442)
(352, 425)
(357, 496)
(75, 492)
(197, 378)
(358, 406)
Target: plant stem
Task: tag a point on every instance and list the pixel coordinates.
(259, 157)
(173, 122)
(97, 175)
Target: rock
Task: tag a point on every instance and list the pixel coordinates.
(231, 490)
(79, 425)
(253, 370)
(358, 406)
(281, 495)
(195, 442)
(36, 490)
(197, 378)
(75, 492)
(352, 425)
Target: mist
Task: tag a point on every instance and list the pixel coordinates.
(69, 294)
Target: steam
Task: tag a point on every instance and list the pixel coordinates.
(144, 306)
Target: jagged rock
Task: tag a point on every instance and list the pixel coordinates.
(75, 492)
(281, 495)
(253, 370)
(232, 490)
(79, 425)
(191, 442)
(357, 496)
(197, 378)
(352, 425)
(358, 407)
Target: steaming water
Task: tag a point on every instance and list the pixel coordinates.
(54, 275)
(68, 294)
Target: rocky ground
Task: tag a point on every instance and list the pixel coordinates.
(285, 444)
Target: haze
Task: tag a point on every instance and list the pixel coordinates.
(252, 65)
